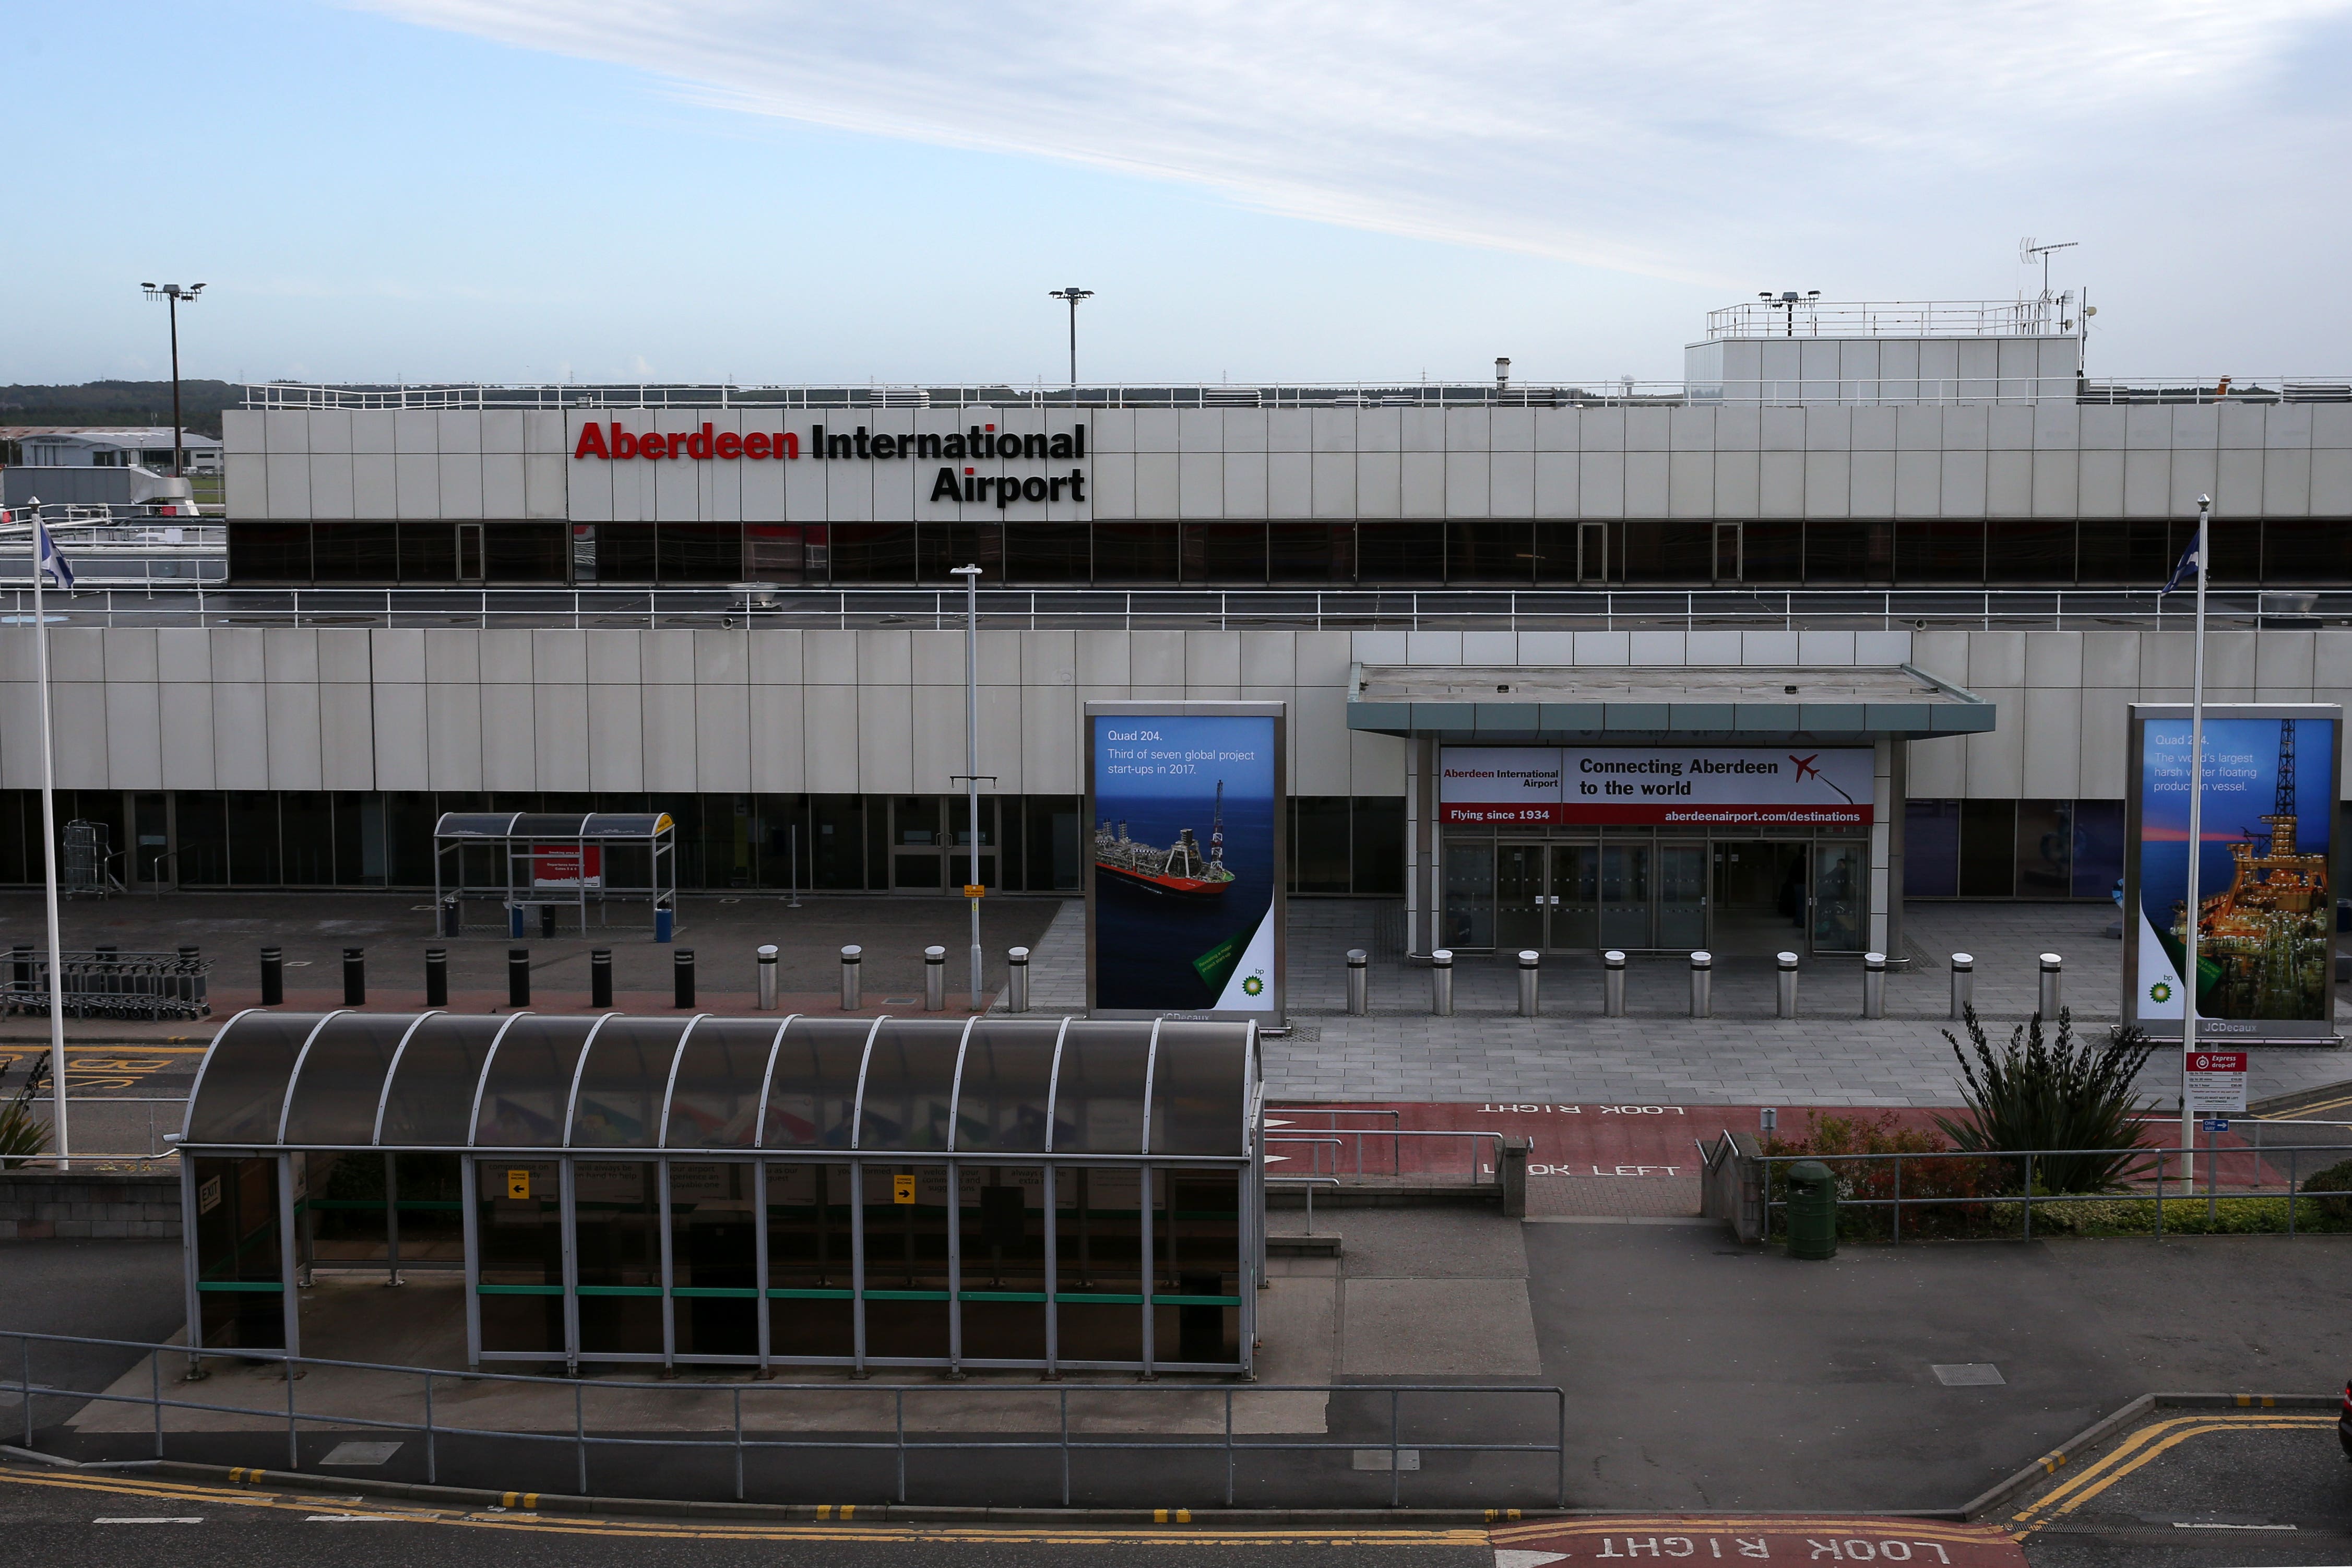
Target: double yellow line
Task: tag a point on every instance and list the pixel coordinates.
(2143, 1448)
(1174, 1521)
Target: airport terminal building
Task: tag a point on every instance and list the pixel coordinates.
(1852, 612)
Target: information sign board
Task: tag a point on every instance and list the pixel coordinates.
(2216, 1080)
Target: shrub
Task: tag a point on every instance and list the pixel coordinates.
(2046, 1094)
(1867, 1185)
(2337, 1178)
(22, 1135)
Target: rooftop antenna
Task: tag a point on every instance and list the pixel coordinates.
(2028, 252)
(1787, 301)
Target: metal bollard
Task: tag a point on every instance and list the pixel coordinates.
(1528, 1000)
(436, 977)
(273, 977)
(599, 977)
(2051, 1000)
(518, 977)
(1016, 980)
(1441, 983)
(452, 918)
(1613, 984)
(768, 978)
(935, 979)
(21, 955)
(1788, 978)
(681, 969)
(355, 977)
(547, 920)
(849, 987)
(1874, 985)
(1701, 984)
(1964, 983)
(1359, 975)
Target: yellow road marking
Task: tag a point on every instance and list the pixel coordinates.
(2142, 1447)
(685, 1530)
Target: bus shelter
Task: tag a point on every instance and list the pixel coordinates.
(543, 861)
(994, 1192)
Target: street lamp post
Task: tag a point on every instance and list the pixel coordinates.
(173, 296)
(973, 882)
(1073, 294)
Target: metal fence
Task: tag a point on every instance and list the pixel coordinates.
(1954, 1191)
(1020, 609)
(734, 1441)
(106, 982)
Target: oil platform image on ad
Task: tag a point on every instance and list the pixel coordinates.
(2266, 907)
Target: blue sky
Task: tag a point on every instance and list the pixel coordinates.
(774, 190)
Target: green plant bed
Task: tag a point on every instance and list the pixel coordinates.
(2185, 1215)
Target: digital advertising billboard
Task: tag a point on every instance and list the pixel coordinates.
(1184, 883)
(2266, 893)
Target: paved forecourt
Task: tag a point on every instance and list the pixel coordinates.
(1741, 1055)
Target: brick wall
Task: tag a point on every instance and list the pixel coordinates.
(38, 1205)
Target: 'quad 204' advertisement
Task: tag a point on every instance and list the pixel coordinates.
(1184, 882)
(2265, 894)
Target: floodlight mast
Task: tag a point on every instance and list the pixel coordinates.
(1073, 294)
(1787, 301)
(173, 296)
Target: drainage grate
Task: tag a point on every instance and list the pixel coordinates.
(1970, 1374)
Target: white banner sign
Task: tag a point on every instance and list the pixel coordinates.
(1712, 786)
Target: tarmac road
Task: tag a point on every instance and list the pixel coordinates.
(48, 1517)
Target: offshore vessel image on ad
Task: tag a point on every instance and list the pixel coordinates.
(1181, 871)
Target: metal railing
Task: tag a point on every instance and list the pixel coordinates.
(2008, 1179)
(1365, 609)
(735, 1442)
(1884, 319)
(1395, 1137)
(1992, 319)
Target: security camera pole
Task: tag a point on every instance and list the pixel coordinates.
(975, 884)
(174, 297)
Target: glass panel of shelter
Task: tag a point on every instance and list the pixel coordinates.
(968, 1280)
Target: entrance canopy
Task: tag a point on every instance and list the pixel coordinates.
(443, 1082)
(1502, 704)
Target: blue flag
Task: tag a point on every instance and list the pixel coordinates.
(51, 561)
(2190, 566)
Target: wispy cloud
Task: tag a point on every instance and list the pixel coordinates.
(1680, 140)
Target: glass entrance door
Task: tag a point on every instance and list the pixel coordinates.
(1521, 895)
(1841, 898)
(1625, 895)
(1576, 896)
(1682, 896)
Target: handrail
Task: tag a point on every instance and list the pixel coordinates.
(736, 1439)
(179, 602)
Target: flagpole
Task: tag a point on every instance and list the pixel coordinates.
(2196, 848)
(49, 849)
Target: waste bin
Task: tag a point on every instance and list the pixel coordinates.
(1812, 1210)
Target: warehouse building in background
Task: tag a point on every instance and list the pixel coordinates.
(1852, 612)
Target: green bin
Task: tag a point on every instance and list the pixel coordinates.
(1812, 1210)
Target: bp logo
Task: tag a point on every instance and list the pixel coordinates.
(1253, 986)
(2160, 992)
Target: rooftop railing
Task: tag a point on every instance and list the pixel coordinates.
(1098, 609)
(1810, 318)
(1623, 391)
